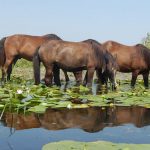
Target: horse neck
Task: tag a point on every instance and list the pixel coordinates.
(146, 54)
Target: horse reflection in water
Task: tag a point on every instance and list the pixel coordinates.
(89, 119)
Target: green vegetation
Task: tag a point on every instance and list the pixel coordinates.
(20, 94)
(99, 145)
(146, 41)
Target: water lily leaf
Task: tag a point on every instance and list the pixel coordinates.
(38, 109)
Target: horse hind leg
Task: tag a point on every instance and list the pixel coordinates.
(8, 62)
(9, 71)
(145, 78)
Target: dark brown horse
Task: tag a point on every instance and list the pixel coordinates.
(135, 59)
(69, 56)
(111, 65)
(19, 46)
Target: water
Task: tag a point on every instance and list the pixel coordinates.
(32, 131)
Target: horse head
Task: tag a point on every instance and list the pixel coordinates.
(111, 68)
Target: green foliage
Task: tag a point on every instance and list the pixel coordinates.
(98, 145)
(20, 94)
(146, 41)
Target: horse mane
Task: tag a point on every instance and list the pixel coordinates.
(98, 51)
(145, 52)
(52, 37)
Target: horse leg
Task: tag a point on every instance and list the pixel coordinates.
(48, 75)
(145, 78)
(56, 73)
(103, 79)
(78, 77)
(9, 71)
(134, 77)
(66, 76)
(8, 62)
(85, 79)
(90, 75)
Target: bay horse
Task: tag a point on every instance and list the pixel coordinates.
(135, 59)
(69, 56)
(19, 46)
(111, 66)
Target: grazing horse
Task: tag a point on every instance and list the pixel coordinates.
(135, 59)
(20, 46)
(111, 66)
(69, 56)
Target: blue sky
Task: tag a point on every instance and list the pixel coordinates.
(125, 21)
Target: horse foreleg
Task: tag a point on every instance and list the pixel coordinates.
(78, 77)
(48, 75)
(134, 77)
(90, 75)
(145, 78)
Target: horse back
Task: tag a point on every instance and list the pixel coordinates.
(23, 45)
(129, 58)
(67, 53)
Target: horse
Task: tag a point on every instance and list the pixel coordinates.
(69, 56)
(19, 46)
(135, 59)
(111, 66)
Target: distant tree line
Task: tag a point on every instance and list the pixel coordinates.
(146, 40)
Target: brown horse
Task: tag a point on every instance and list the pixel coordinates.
(111, 65)
(135, 59)
(20, 46)
(69, 56)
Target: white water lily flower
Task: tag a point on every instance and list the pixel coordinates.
(69, 106)
(19, 91)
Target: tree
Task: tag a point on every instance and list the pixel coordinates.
(146, 41)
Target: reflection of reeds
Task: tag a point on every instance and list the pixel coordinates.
(3, 111)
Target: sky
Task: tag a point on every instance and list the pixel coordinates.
(124, 21)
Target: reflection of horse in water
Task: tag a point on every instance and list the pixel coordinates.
(89, 119)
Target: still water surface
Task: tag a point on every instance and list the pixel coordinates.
(32, 131)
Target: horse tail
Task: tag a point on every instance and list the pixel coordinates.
(36, 66)
(2, 52)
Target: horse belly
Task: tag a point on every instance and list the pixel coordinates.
(69, 63)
